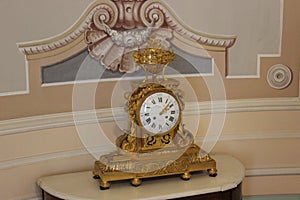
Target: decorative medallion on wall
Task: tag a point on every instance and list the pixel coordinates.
(279, 76)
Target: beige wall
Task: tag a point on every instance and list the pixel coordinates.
(38, 136)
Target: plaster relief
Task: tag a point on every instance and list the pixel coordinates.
(279, 76)
(113, 34)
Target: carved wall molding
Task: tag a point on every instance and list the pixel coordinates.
(155, 10)
(121, 15)
(137, 21)
(74, 33)
(58, 120)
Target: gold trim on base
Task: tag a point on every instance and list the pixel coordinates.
(117, 166)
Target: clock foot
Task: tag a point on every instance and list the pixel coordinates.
(186, 176)
(136, 182)
(104, 185)
(96, 177)
(212, 172)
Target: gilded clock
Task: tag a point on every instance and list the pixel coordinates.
(156, 142)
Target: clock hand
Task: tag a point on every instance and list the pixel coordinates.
(165, 109)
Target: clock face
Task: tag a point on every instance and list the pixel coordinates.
(159, 113)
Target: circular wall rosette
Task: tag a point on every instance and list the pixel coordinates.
(279, 76)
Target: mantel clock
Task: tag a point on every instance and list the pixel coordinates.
(156, 143)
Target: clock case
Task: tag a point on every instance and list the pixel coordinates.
(142, 155)
(147, 141)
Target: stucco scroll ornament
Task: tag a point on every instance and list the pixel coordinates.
(114, 48)
(129, 39)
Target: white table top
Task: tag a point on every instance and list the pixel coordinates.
(81, 185)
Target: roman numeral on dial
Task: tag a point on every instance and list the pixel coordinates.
(148, 120)
(153, 126)
(171, 119)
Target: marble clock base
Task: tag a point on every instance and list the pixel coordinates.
(135, 167)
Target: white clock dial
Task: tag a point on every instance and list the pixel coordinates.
(159, 113)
